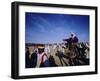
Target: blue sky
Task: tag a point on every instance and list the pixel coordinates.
(52, 28)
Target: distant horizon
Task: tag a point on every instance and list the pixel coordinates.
(53, 28)
(51, 43)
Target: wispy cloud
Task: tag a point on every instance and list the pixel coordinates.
(46, 28)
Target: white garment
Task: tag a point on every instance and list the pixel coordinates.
(87, 54)
(47, 49)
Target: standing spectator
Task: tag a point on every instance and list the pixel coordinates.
(30, 59)
(43, 58)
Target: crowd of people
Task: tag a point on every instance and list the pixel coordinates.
(70, 53)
